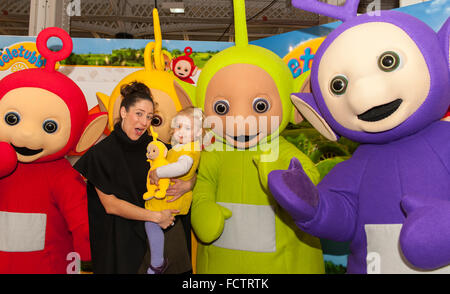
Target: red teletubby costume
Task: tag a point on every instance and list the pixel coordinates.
(184, 67)
(43, 202)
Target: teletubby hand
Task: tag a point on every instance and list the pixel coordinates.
(153, 176)
(264, 168)
(294, 191)
(8, 159)
(208, 219)
(425, 234)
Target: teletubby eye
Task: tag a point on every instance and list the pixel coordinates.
(261, 105)
(221, 107)
(156, 121)
(338, 85)
(389, 61)
(12, 118)
(50, 126)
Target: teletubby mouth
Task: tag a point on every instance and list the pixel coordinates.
(381, 111)
(243, 138)
(26, 151)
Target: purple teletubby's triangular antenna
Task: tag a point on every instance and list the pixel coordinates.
(345, 12)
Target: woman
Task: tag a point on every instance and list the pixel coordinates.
(116, 170)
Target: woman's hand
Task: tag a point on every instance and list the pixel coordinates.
(166, 218)
(153, 177)
(180, 187)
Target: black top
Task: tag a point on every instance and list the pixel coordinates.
(117, 165)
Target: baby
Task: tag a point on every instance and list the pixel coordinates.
(184, 158)
(185, 153)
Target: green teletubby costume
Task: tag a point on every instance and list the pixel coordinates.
(240, 227)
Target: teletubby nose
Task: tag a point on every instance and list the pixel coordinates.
(366, 92)
(26, 136)
(27, 131)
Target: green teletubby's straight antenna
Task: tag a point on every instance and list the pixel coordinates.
(240, 23)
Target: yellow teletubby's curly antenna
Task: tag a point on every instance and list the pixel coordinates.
(155, 60)
(148, 59)
(159, 62)
(154, 134)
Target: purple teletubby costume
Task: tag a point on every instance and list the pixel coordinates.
(391, 200)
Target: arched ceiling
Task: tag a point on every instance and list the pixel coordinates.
(205, 20)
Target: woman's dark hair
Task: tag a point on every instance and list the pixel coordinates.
(132, 93)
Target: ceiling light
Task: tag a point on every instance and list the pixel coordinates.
(173, 7)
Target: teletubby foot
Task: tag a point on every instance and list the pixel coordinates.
(148, 195)
(160, 194)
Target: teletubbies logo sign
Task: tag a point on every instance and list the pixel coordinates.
(20, 56)
(300, 58)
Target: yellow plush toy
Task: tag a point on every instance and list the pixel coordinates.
(156, 154)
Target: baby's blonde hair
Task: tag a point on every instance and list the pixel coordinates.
(192, 112)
